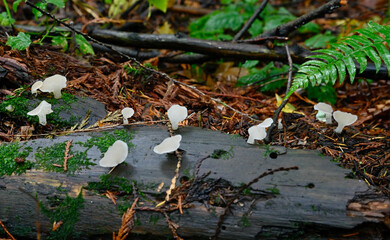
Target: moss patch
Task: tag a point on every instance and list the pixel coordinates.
(46, 157)
(108, 138)
(23, 105)
(12, 159)
(112, 183)
(66, 210)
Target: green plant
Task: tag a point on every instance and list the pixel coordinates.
(23, 40)
(108, 138)
(332, 64)
(66, 211)
(46, 157)
(12, 159)
(223, 23)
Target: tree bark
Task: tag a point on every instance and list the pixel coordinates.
(317, 195)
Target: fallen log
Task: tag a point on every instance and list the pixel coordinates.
(316, 200)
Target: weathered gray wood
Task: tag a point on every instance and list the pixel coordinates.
(325, 204)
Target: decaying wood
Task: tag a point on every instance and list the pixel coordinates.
(317, 195)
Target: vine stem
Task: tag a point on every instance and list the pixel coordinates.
(285, 101)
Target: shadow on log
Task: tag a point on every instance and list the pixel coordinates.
(316, 200)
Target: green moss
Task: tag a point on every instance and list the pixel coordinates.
(22, 104)
(46, 157)
(66, 210)
(220, 153)
(112, 183)
(108, 138)
(10, 152)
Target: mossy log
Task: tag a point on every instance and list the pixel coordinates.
(317, 199)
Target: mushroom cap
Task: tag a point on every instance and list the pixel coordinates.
(323, 107)
(116, 154)
(127, 112)
(176, 114)
(256, 133)
(168, 145)
(37, 85)
(344, 118)
(266, 123)
(53, 83)
(43, 108)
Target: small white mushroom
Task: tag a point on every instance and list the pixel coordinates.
(127, 113)
(280, 124)
(326, 109)
(169, 145)
(54, 84)
(37, 85)
(343, 119)
(266, 123)
(116, 154)
(10, 108)
(258, 132)
(41, 111)
(176, 114)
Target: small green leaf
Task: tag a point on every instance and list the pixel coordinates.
(85, 47)
(60, 41)
(5, 20)
(341, 70)
(58, 3)
(20, 42)
(384, 53)
(15, 5)
(250, 63)
(225, 20)
(371, 53)
(159, 4)
(256, 28)
(38, 14)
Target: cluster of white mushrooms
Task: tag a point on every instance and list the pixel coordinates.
(325, 113)
(117, 153)
(52, 84)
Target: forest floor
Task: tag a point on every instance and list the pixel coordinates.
(363, 147)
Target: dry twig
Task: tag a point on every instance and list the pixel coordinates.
(127, 222)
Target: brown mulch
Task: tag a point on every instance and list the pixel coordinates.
(363, 147)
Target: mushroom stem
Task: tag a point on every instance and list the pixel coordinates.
(328, 118)
(42, 119)
(125, 121)
(339, 128)
(57, 93)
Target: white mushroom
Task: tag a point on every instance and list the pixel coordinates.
(169, 145)
(322, 109)
(10, 108)
(280, 124)
(54, 84)
(116, 154)
(176, 114)
(266, 123)
(41, 111)
(343, 119)
(127, 113)
(36, 86)
(258, 132)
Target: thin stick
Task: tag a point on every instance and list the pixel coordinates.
(250, 21)
(240, 190)
(277, 112)
(6, 231)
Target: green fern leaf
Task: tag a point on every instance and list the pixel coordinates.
(329, 64)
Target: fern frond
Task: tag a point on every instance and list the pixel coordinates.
(341, 58)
